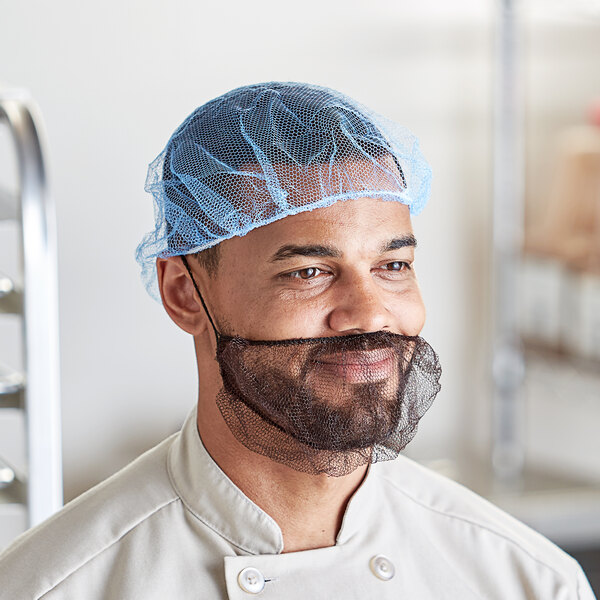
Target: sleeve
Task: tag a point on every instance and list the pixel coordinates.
(584, 590)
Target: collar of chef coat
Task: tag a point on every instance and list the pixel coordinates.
(214, 499)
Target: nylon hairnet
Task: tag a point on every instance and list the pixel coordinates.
(265, 151)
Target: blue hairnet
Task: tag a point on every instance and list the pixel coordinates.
(265, 151)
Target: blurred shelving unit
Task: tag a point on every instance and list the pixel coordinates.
(544, 467)
(546, 355)
(30, 486)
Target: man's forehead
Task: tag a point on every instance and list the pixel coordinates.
(371, 223)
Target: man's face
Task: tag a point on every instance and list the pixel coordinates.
(340, 270)
(330, 273)
(308, 392)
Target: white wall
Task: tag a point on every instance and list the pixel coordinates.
(113, 79)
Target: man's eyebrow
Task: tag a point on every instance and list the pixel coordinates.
(290, 250)
(399, 242)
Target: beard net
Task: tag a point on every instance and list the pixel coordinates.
(265, 151)
(327, 405)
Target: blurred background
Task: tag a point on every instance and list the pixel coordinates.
(504, 104)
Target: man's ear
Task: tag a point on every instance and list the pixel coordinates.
(179, 297)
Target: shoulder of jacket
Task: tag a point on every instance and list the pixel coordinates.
(448, 500)
(46, 555)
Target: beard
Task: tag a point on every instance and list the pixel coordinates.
(327, 405)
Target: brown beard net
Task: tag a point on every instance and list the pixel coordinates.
(327, 405)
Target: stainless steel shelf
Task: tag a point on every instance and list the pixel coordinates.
(36, 391)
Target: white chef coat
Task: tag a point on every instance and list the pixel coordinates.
(172, 526)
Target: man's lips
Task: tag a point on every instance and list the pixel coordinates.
(358, 366)
(356, 357)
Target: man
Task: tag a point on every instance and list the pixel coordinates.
(284, 246)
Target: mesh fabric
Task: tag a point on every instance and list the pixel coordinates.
(265, 151)
(327, 405)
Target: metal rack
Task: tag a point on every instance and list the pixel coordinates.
(564, 507)
(31, 296)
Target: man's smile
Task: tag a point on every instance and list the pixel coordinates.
(359, 366)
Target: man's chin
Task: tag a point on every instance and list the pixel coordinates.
(357, 434)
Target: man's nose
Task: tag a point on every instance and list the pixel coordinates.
(359, 307)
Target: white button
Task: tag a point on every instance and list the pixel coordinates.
(382, 567)
(251, 580)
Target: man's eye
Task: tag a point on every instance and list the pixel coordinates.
(308, 273)
(396, 265)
